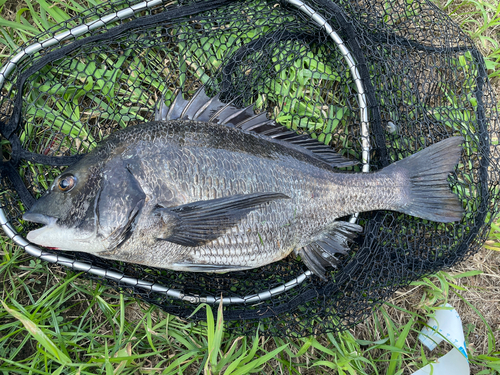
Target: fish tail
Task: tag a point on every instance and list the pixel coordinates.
(429, 195)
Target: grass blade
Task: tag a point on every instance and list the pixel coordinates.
(39, 335)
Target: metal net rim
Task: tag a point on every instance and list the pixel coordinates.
(50, 257)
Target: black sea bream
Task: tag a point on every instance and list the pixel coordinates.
(200, 190)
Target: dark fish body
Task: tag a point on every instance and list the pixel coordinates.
(198, 196)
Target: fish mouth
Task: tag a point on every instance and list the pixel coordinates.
(59, 237)
(39, 236)
(39, 218)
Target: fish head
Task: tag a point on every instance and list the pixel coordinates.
(92, 207)
(67, 210)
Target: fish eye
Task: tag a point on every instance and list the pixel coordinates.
(66, 183)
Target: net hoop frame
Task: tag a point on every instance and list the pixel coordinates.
(50, 257)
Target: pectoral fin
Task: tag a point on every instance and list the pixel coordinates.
(198, 223)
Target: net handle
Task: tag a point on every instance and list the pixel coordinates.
(155, 287)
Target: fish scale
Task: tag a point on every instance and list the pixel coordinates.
(204, 197)
(275, 173)
(251, 227)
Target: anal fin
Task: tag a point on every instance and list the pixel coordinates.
(322, 253)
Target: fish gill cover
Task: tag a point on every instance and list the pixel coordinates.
(375, 80)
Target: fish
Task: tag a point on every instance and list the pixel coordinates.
(208, 186)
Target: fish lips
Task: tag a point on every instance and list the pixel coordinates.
(39, 218)
(48, 221)
(59, 237)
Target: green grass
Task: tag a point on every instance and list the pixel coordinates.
(54, 322)
(481, 20)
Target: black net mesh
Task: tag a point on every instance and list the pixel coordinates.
(423, 81)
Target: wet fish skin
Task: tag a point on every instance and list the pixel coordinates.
(197, 196)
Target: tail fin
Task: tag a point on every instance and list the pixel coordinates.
(429, 195)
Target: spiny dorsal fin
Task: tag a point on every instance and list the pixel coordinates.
(202, 108)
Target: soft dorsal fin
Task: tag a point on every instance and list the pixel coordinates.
(202, 108)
